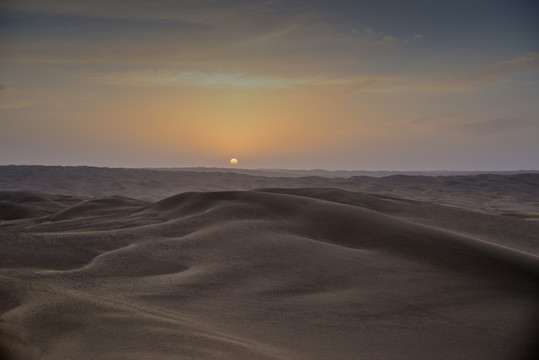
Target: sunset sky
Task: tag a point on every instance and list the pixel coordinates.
(372, 85)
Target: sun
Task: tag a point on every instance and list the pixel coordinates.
(233, 161)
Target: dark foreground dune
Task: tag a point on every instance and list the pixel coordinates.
(310, 273)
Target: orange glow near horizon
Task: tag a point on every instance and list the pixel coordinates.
(257, 122)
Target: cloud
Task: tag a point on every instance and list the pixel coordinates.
(240, 44)
(388, 41)
(529, 58)
(354, 84)
(489, 75)
(480, 77)
(294, 43)
(432, 119)
(6, 88)
(16, 105)
(188, 11)
(238, 81)
(168, 77)
(459, 123)
(269, 36)
(494, 125)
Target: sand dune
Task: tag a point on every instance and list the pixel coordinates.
(506, 194)
(267, 274)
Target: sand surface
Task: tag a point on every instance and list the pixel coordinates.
(303, 272)
(503, 193)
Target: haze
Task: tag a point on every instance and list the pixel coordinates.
(396, 85)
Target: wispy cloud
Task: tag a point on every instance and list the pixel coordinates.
(494, 125)
(299, 44)
(167, 77)
(231, 36)
(432, 119)
(486, 76)
(18, 104)
(531, 59)
(189, 10)
(388, 41)
(458, 123)
(489, 75)
(468, 80)
(6, 88)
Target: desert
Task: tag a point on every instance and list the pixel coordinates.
(261, 267)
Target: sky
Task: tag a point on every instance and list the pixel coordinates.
(365, 85)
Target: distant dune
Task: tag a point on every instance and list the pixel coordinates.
(339, 173)
(511, 194)
(302, 272)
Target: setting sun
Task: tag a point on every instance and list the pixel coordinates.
(234, 161)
